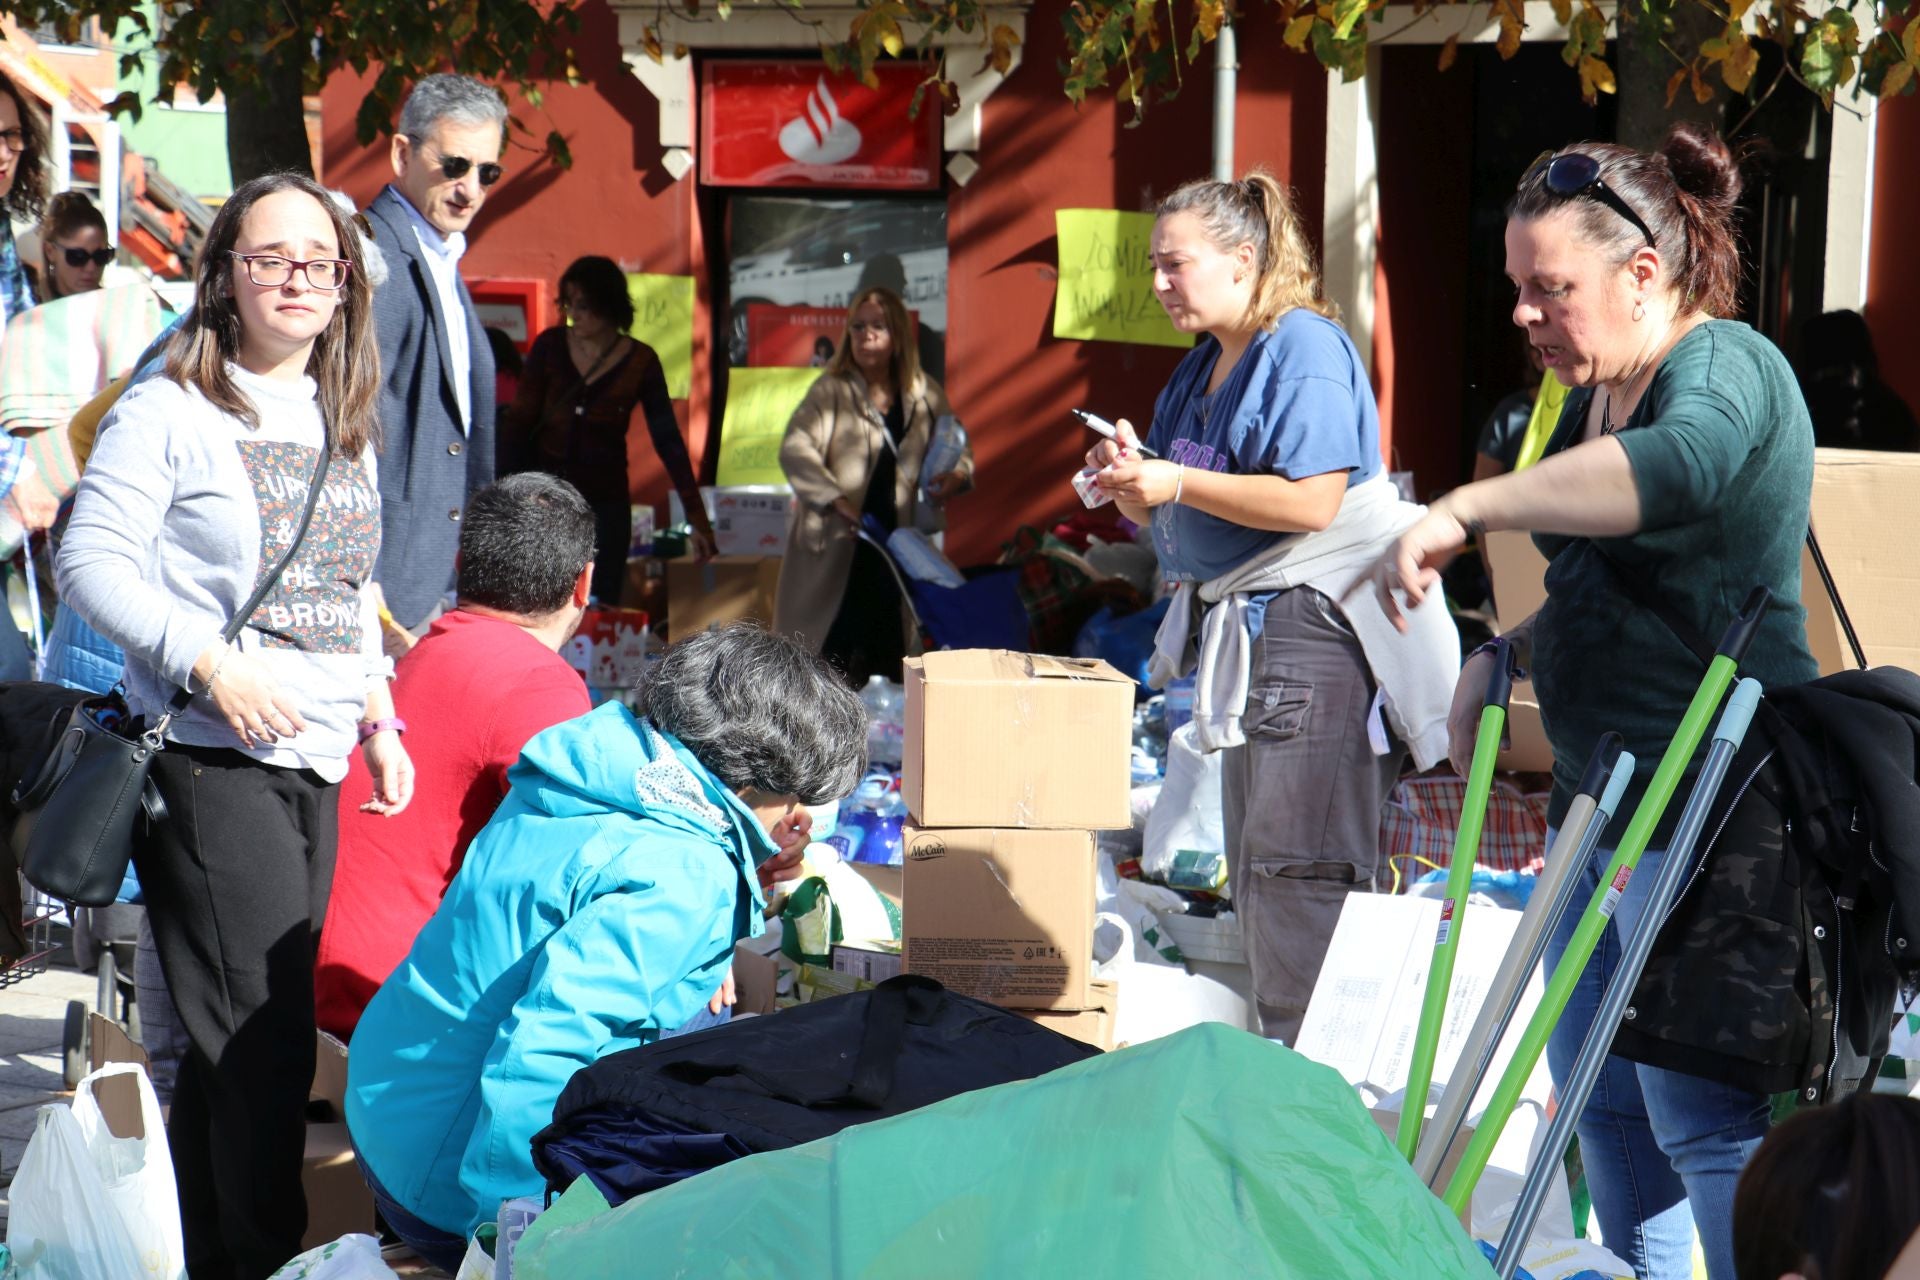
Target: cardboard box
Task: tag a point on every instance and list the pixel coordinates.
(118, 1096)
(999, 739)
(338, 1202)
(748, 519)
(751, 520)
(755, 977)
(1518, 572)
(1002, 915)
(610, 648)
(725, 589)
(870, 964)
(1089, 1026)
(1866, 513)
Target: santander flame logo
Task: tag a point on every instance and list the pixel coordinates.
(819, 135)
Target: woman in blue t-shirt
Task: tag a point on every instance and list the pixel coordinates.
(1265, 491)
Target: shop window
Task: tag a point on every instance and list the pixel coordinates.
(794, 263)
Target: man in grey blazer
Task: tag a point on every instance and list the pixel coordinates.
(436, 394)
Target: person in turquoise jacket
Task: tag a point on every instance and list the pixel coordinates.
(595, 912)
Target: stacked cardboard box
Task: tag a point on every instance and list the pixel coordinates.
(1866, 513)
(1012, 762)
(724, 589)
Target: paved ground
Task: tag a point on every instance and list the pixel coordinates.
(32, 1017)
(32, 1021)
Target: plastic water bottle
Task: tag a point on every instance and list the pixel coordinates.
(1179, 703)
(883, 836)
(945, 449)
(886, 704)
(857, 817)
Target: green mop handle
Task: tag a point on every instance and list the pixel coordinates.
(1453, 910)
(1606, 897)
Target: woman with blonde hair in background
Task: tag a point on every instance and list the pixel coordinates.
(1268, 501)
(854, 448)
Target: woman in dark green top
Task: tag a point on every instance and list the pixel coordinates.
(1683, 461)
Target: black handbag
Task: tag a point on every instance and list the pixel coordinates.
(78, 809)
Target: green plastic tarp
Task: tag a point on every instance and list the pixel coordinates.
(1209, 1149)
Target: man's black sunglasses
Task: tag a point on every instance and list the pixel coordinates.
(1575, 173)
(456, 167)
(81, 257)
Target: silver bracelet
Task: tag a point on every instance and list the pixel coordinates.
(215, 673)
(1179, 483)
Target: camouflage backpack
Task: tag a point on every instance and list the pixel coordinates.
(1778, 965)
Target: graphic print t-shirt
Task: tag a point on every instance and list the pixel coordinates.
(1297, 404)
(183, 509)
(315, 604)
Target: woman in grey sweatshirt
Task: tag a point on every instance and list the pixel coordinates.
(193, 493)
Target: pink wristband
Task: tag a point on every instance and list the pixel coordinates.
(370, 727)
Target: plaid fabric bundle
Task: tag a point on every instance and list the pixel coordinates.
(57, 356)
(1422, 817)
(1051, 581)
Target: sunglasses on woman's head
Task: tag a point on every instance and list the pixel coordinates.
(81, 257)
(456, 167)
(1572, 174)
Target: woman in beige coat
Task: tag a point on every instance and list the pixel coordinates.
(854, 448)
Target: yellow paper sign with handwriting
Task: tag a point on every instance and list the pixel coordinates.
(759, 404)
(663, 319)
(1106, 280)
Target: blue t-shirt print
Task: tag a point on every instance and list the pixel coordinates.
(1297, 404)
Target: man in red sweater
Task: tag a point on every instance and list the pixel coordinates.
(486, 678)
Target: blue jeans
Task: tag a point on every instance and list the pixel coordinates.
(443, 1248)
(1653, 1141)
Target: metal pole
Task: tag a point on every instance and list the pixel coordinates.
(1609, 774)
(1593, 1053)
(1226, 72)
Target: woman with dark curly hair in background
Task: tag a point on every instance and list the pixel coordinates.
(578, 389)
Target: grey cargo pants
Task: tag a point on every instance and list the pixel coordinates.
(1302, 799)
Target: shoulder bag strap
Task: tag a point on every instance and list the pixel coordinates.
(1833, 594)
(184, 696)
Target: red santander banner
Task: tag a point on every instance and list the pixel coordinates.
(796, 124)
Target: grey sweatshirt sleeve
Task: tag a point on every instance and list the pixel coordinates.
(115, 533)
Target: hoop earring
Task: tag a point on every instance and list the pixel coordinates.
(1639, 312)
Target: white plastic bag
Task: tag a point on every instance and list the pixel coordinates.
(478, 1264)
(1187, 816)
(137, 1173)
(351, 1257)
(60, 1223)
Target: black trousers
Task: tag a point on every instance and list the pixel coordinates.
(868, 636)
(236, 884)
(613, 538)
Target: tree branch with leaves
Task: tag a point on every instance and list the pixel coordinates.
(263, 56)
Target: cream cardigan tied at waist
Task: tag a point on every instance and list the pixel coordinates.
(1205, 631)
